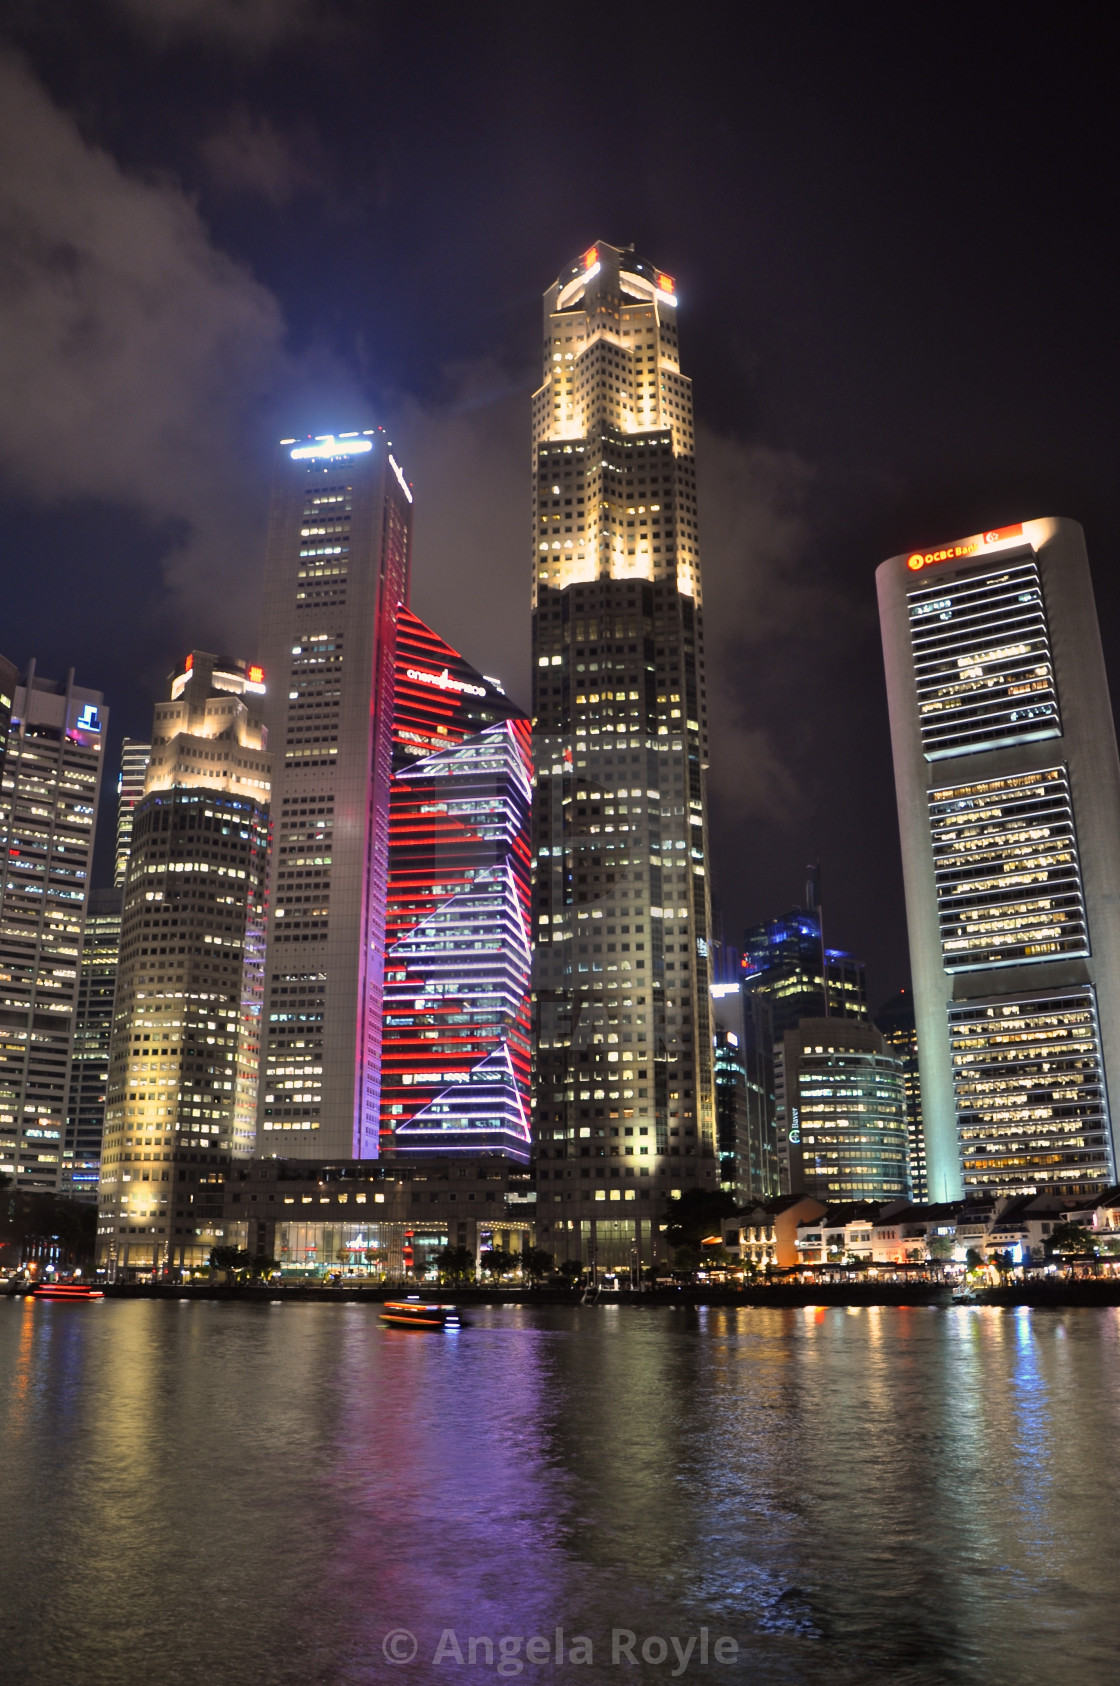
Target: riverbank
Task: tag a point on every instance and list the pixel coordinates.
(1081, 1290)
(777, 1294)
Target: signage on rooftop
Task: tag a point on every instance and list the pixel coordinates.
(963, 547)
(326, 445)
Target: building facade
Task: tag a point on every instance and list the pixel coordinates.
(130, 788)
(841, 1113)
(185, 1048)
(336, 578)
(895, 1019)
(1008, 790)
(48, 813)
(93, 1029)
(9, 679)
(785, 962)
(456, 1050)
(746, 1119)
(625, 1103)
(386, 1218)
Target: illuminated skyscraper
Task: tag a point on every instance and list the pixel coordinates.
(9, 679)
(784, 963)
(48, 815)
(93, 1030)
(456, 1041)
(624, 1088)
(130, 788)
(1008, 790)
(745, 1101)
(184, 1054)
(336, 578)
(841, 1113)
(896, 1021)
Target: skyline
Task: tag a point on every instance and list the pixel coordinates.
(874, 368)
(581, 1137)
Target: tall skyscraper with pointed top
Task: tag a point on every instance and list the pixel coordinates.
(625, 1110)
(336, 576)
(180, 1096)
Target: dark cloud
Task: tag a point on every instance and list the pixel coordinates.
(139, 360)
(757, 591)
(245, 24)
(248, 154)
(289, 217)
(468, 455)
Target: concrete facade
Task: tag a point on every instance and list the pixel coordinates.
(49, 801)
(1008, 788)
(184, 1050)
(625, 1104)
(336, 575)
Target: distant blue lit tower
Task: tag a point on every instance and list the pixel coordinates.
(785, 962)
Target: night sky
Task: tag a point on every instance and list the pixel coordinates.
(894, 237)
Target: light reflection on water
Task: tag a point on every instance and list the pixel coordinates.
(255, 1495)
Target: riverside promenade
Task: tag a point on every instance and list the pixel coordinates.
(780, 1294)
(1040, 1293)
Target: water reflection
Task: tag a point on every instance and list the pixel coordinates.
(258, 1494)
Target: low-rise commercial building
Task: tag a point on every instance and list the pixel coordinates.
(841, 1235)
(385, 1216)
(908, 1233)
(765, 1235)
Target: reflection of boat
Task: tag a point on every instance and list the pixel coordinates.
(419, 1314)
(66, 1291)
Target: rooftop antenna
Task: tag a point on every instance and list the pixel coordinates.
(813, 905)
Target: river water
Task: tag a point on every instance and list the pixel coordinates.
(205, 1494)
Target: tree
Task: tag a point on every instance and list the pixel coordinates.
(537, 1264)
(263, 1265)
(44, 1226)
(973, 1260)
(572, 1272)
(690, 1219)
(497, 1262)
(455, 1264)
(1068, 1239)
(940, 1247)
(231, 1260)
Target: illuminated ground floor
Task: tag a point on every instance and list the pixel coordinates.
(386, 1218)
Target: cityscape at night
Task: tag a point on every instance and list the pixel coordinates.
(560, 803)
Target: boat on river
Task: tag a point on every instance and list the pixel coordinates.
(419, 1314)
(66, 1291)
